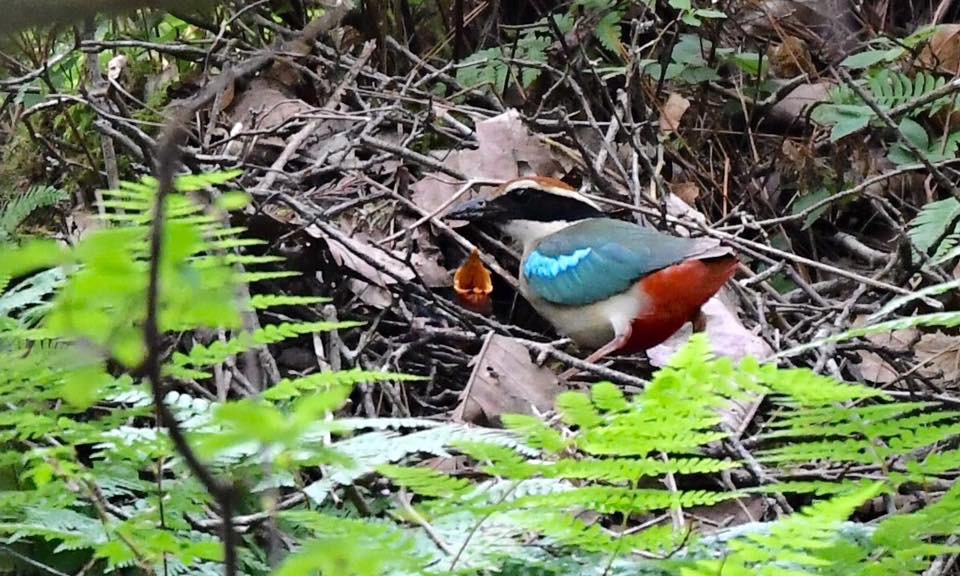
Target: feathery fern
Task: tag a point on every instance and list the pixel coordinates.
(17, 209)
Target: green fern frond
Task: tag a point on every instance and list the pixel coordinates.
(426, 482)
(616, 500)
(265, 301)
(943, 319)
(251, 277)
(20, 207)
(288, 388)
(568, 530)
(932, 221)
(608, 31)
(219, 351)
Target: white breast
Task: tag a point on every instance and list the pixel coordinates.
(593, 325)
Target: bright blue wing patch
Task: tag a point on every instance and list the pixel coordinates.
(541, 266)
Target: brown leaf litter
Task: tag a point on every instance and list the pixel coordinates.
(505, 381)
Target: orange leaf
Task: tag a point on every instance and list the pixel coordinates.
(473, 285)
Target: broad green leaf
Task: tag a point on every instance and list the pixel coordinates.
(868, 58)
(802, 202)
(914, 133)
(848, 125)
(705, 13)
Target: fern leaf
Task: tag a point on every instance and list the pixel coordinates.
(265, 301)
(293, 388)
(16, 210)
(932, 222)
(608, 31)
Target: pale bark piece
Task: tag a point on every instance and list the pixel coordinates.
(794, 107)
(506, 381)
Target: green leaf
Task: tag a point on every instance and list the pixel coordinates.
(690, 19)
(689, 50)
(914, 133)
(750, 62)
(706, 13)
(806, 200)
(869, 58)
(848, 125)
(608, 31)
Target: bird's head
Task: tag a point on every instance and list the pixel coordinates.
(528, 209)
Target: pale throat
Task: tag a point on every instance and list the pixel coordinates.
(527, 232)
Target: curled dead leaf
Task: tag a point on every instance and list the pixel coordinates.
(116, 67)
(791, 58)
(672, 113)
(473, 284)
(686, 191)
(942, 52)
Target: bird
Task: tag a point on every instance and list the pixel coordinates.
(607, 284)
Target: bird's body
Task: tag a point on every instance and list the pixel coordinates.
(600, 278)
(605, 283)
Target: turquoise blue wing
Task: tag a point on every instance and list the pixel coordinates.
(599, 258)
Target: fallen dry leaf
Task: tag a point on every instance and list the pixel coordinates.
(504, 143)
(724, 515)
(426, 262)
(505, 381)
(898, 340)
(873, 368)
(672, 113)
(266, 105)
(791, 58)
(939, 355)
(473, 284)
(686, 191)
(373, 290)
(829, 24)
(942, 52)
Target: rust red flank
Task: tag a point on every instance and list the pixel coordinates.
(676, 295)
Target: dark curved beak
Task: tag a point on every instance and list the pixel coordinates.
(472, 211)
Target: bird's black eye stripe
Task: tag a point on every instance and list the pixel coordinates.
(537, 204)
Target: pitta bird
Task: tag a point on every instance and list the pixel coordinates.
(607, 284)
